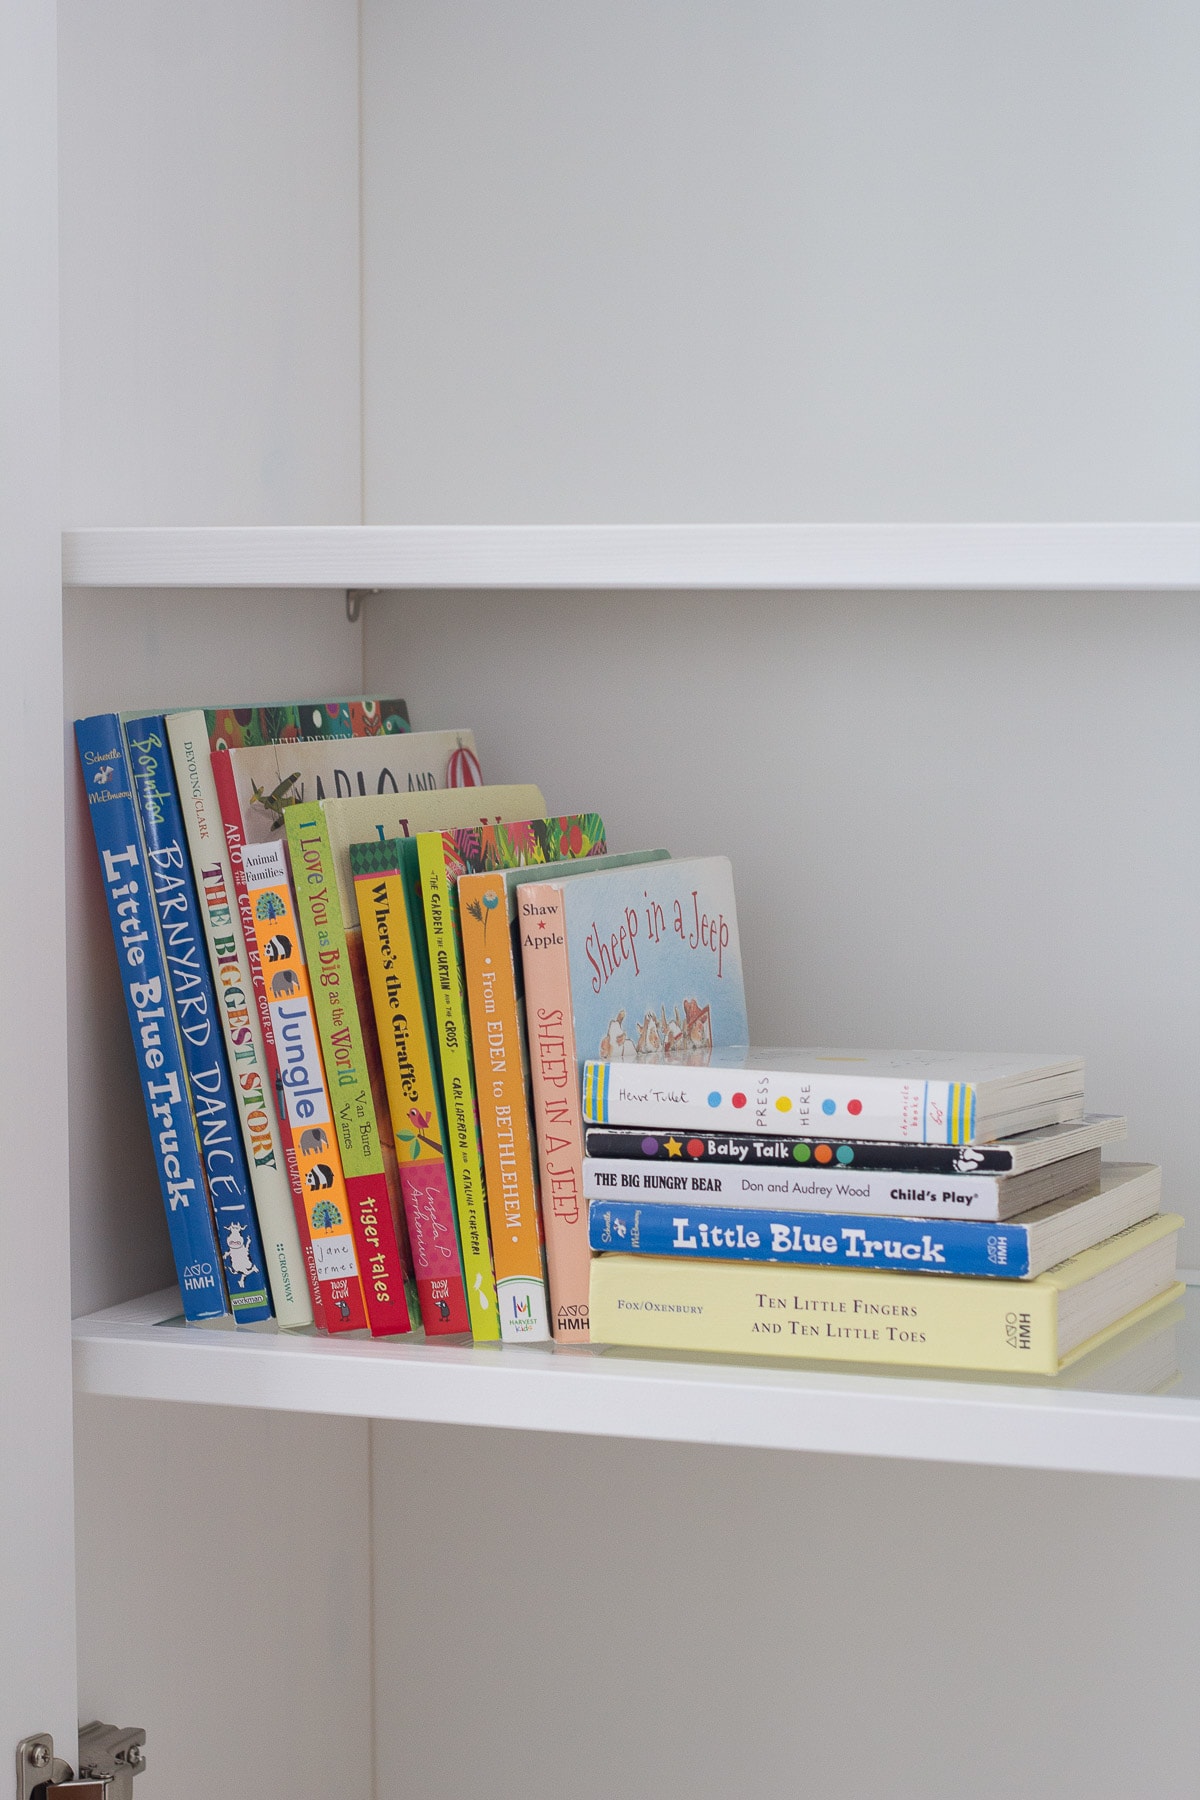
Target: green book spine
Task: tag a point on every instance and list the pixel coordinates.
(440, 906)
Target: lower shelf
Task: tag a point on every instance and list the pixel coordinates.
(1135, 1411)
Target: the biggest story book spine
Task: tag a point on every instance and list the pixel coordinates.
(127, 891)
(617, 963)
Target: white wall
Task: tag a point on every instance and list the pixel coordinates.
(209, 193)
(780, 259)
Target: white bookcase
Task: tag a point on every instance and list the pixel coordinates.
(596, 338)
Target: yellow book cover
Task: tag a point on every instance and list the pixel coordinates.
(840, 1315)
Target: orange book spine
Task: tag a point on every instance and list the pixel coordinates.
(558, 1112)
(502, 1098)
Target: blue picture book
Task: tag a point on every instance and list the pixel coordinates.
(127, 889)
(185, 957)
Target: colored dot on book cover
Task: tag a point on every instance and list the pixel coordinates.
(801, 1152)
(823, 1153)
(649, 1146)
(783, 1104)
(845, 1153)
(854, 1106)
(714, 1099)
(829, 1106)
(695, 1147)
(739, 1099)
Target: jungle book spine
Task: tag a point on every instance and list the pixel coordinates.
(382, 1263)
(113, 812)
(412, 1088)
(194, 1002)
(272, 1176)
(271, 934)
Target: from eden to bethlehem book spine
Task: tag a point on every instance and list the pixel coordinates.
(271, 934)
(448, 1013)
(271, 1175)
(414, 1099)
(617, 962)
(873, 1316)
(185, 958)
(445, 858)
(113, 811)
(374, 1208)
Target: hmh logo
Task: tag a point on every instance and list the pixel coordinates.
(572, 1318)
(1018, 1330)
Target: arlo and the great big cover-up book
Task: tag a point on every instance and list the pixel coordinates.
(617, 963)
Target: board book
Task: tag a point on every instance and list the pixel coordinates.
(268, 778)
(644, 956)
(413, 1093)
(356, 1087)
(112, 808)
(747, 1149)
(912, 1096)
(883, 1317)
(194, 1004)
(493, 977)
(442, 859)
(694, 1224)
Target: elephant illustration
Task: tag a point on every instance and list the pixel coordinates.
(287, 982)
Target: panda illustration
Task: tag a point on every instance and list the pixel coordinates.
(278, 948)
(313, 1141)
(285, 983)
(319, 1176)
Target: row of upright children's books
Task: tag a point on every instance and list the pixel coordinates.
(416, 1054)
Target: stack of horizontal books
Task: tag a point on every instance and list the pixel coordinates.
(943, 1209)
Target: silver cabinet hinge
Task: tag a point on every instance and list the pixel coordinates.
(109, 1758)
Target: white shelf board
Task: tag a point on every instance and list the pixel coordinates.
(1112, 556)
(131, 1351)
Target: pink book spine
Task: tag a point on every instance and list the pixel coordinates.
(557, 1107)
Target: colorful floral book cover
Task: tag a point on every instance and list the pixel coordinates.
(495, 987)
(617, 962)
(112, 808)
(357, 1089)
(239, 727)
(413, 1090)
(270, 778)
(442, 857)
(194, 1002)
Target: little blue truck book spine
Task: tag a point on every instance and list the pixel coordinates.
(113, 811)
(829, 1240)
(195, 1005)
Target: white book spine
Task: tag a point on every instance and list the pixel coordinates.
(800, 1190)
(778, 1101)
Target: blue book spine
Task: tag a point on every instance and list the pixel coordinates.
(756, 1234)
(185, 956)
(127, 888)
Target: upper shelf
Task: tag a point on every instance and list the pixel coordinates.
(1120, 556)
(1132, 1408)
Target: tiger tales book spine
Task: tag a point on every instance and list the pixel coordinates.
(113, 812)
(374, 1210)
(273, 1175)
(194, 1000)
(414, 1097)
(271, 933)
